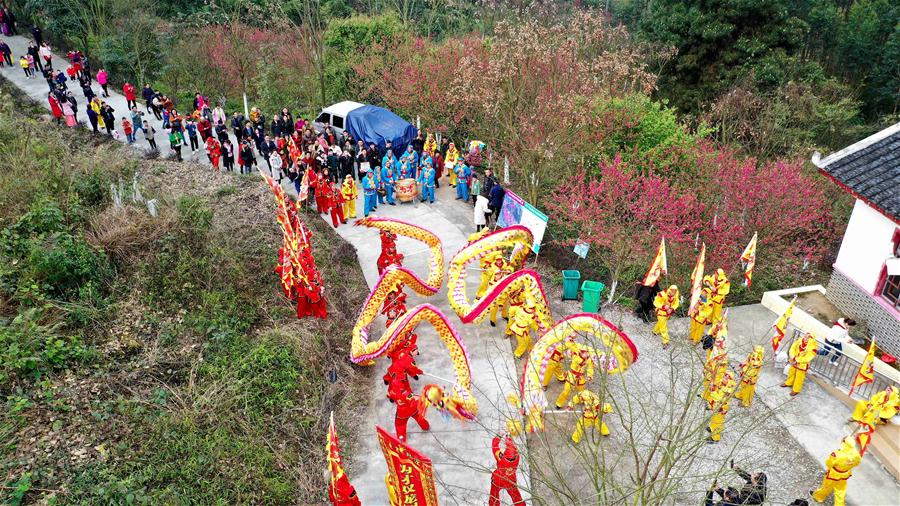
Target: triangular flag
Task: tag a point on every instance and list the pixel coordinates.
(340, 488)
(697, 281)
(781, 325)
(866, 372)
(863, 437)
(658, 267)
(748, 260)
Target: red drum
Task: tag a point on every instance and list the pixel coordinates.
(407, 190)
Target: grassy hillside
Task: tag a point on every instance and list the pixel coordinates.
(153, 359)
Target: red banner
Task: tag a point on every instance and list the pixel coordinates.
(410, 475)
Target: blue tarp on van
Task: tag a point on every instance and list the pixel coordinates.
(376, 124)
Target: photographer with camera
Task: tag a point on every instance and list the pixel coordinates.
(752, 493)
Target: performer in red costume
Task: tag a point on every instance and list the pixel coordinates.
(389, 253)
(335, 202)
(504, 477)
(394, 306)
(410, 406)
(403, 365)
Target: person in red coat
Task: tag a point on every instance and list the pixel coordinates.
(128, 90)
(55, 108)
(409, 406)
(204, 127)
(504, 477)
(214, 151)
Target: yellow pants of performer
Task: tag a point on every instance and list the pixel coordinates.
(745, 393)
(697, 331)
(795, 379)
(452, 177)
(716, 313)
(485, 282)
(716, 426)
(662, 328)
(839, 487)
(585, 423)
(350, 209)
(554, 368)
(523, 343)
(566, 392)
(504, 312)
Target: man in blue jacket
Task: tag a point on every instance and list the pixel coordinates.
(369, 190)
(413, 159)
(387, 182)
(463, 173)
(426, 179)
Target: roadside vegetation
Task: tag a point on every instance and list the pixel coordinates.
(153, 360)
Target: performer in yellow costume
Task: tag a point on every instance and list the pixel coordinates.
(450, 162)
(487, 269)
(749, 371)
(880, 407)
(802, 352)
(592, 416)
(520, 323)
(720, 288)
(581, 371)
(666, 302)
(702, 316)
(349, 191)
(715, 366)
(719, 396)
(555, 366)
(840, 466)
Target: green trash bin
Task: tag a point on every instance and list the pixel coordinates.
(591, 291)
(570, 284)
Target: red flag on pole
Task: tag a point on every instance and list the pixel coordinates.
(659, 265)
(866, 372)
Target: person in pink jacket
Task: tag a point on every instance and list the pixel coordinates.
(102, 77)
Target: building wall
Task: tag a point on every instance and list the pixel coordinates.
(856, 303)
(867, 243)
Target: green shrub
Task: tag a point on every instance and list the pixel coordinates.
(29, 348)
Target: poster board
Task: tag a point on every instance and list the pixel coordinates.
(515, 211)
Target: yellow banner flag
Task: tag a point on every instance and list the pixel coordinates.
(748, 260)
(781, 324)
(866, 372)
(658, 267)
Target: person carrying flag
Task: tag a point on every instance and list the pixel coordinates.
(665, 302)
(702, 316)
(880, 408)
(720, 289)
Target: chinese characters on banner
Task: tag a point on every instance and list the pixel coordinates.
(410, 475)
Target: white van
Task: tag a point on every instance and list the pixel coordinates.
(335, 115)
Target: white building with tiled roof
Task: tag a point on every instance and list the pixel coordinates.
(865, 282)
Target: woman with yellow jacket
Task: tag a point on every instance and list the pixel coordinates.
(839, 466)
(720, 289)
(450, 162)
(749, 371)
(349, 192)
(802, 352)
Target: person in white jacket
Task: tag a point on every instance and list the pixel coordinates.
(481, 212)
(837, 337)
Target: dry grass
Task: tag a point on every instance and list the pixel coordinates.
(126, 234)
